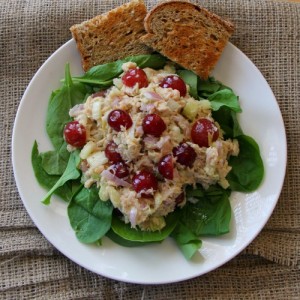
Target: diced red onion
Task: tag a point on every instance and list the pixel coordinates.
(139, 130)
(132, 216)
(152, 96)
(113, 178)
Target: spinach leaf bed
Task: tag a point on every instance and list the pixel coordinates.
(207, 212)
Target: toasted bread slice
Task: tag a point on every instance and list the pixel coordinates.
(111, 36)
(187, 34)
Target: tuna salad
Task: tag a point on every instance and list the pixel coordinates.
(143, 140)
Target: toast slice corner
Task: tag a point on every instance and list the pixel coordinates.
(187, 34)
(111, 36)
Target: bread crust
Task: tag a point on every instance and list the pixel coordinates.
(188, 34)
(111, 36)
(185, 4)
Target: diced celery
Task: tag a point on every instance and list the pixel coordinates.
(114, 196)
(191, 109)
(103, 192)
(87, 150)
(96, 159)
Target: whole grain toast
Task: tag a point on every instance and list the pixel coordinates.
(111, 36)
(187, 34)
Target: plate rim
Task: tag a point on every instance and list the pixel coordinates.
(166, 281)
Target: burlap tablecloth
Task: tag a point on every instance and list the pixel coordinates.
(269, 34)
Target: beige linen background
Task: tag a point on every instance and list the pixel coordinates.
(269, 34)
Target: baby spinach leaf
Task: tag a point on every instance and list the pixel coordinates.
(210, 86)
(71, 172)
(186, 240)
(228, 121)
(224, 97)
(136, 235)
(89, 216)
(55, 162)
(211, 214)
(236, 128)
(154, 61)
(224, 104)
(59, 105)
(214, 192)
(125, 243)
(191, 79)
(104, 74)
(48, 181)
(247, 168)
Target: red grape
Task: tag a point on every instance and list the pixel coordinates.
(75, 134)
(185, 154)
(135, 76)
(111, 152)
(165, 166)
(174, 82)
(120, 169)
(203, 132)
(154, 125)
(119, 118)
(143, 181)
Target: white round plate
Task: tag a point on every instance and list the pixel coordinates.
(161, 263)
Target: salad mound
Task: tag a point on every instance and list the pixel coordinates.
(145, 150)
(144, 164)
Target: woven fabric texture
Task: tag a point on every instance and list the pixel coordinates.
(268, 33)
